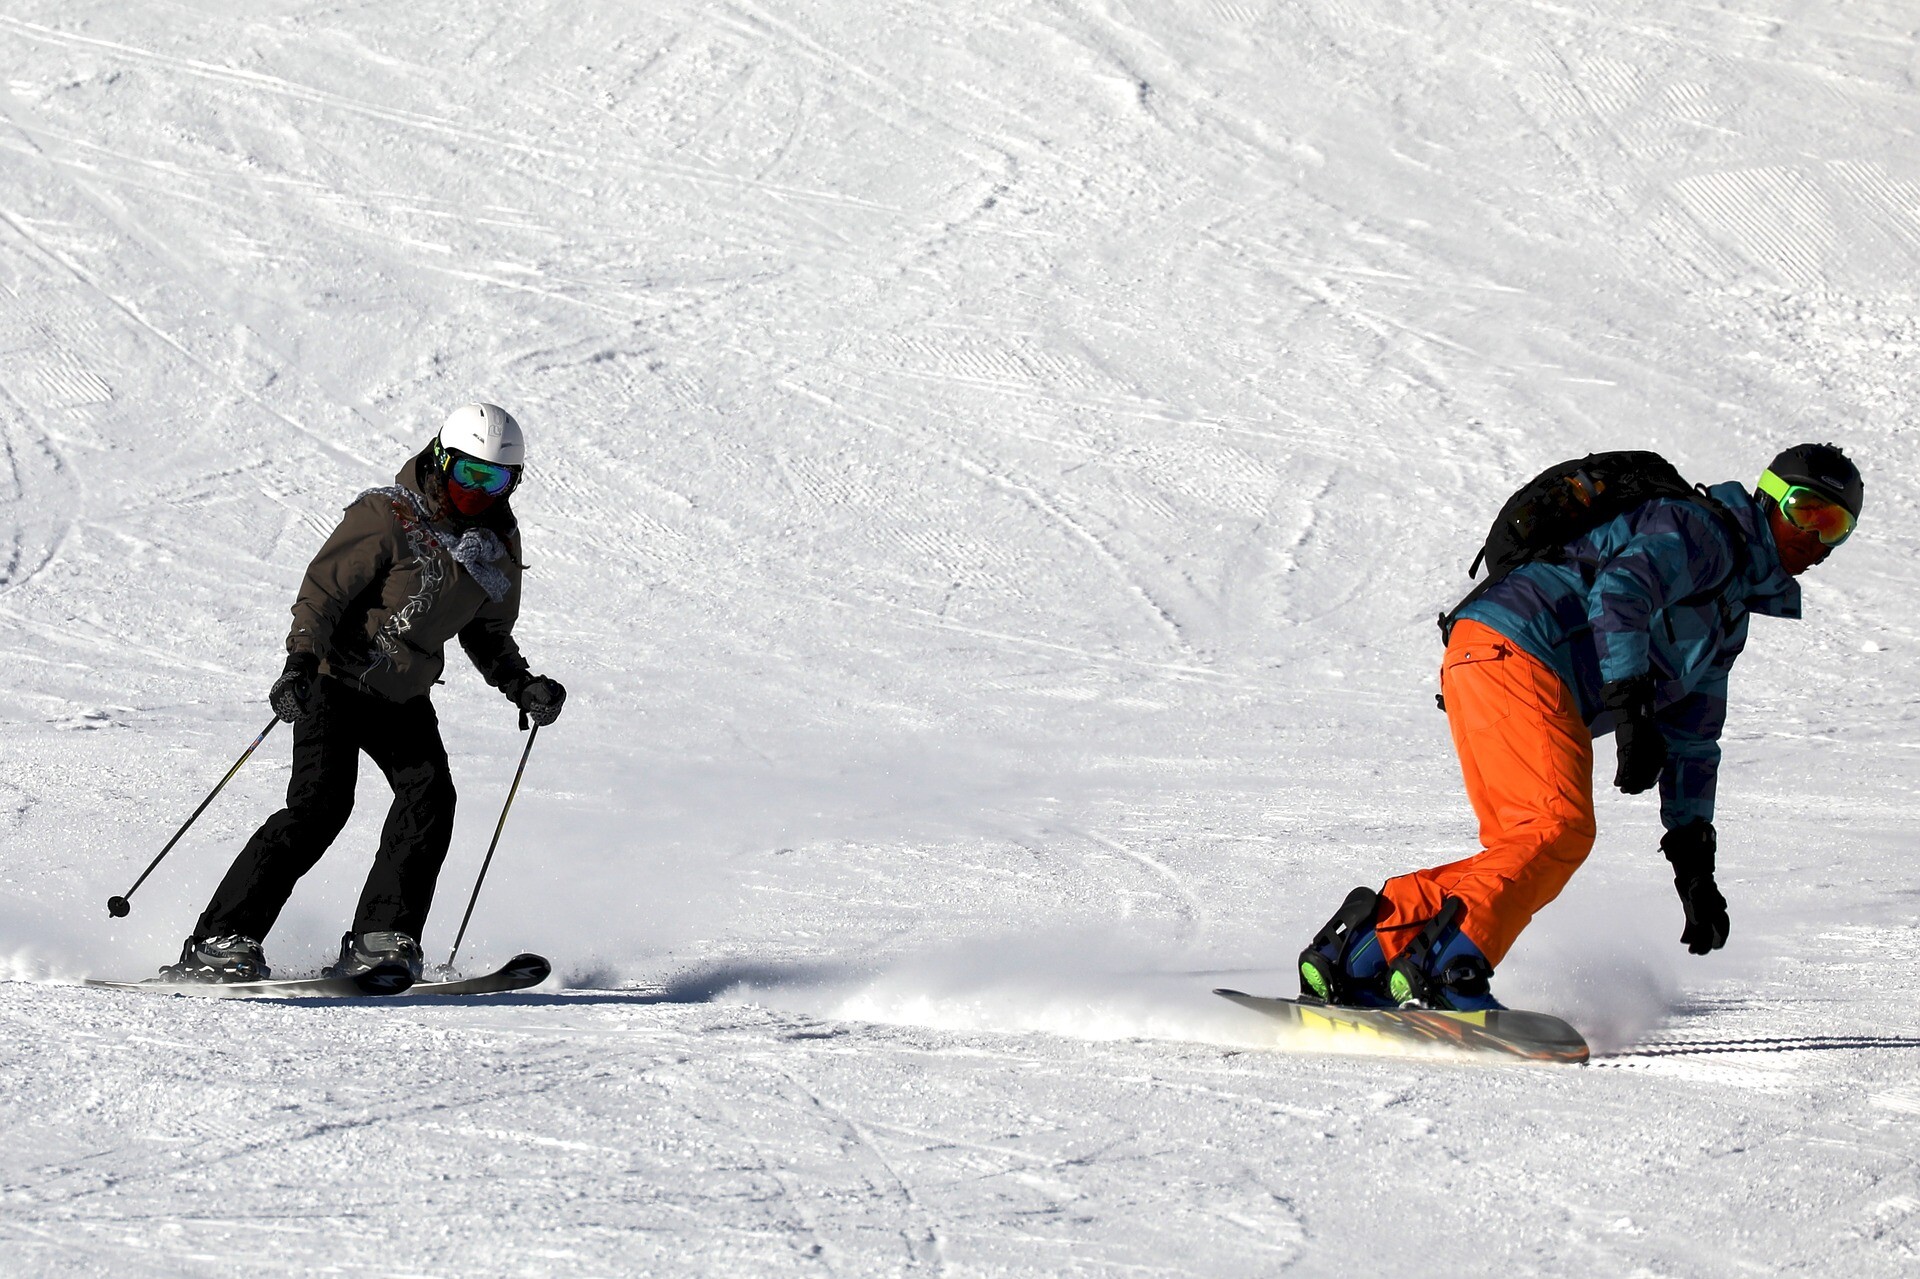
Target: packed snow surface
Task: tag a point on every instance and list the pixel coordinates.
(994, 468)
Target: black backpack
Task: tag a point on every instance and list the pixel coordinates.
(1565, 501)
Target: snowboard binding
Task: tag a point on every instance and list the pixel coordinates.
(1442, 968)
(1343, 964)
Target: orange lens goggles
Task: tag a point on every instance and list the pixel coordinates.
(1809, 509)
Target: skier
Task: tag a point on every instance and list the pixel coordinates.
(1631, 630)
(432, 557)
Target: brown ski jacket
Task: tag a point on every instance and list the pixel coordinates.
(394, 583)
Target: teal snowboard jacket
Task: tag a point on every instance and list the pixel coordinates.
(1637, 595)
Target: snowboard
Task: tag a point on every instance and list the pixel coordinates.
(1502, 1034)
(517, 973)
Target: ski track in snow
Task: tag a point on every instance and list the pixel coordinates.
(995, 470)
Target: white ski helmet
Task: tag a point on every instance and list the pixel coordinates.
(487, 432)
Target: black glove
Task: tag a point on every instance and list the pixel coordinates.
(539, 698)
(1642, 747)
(1690, 849)
(292, 694)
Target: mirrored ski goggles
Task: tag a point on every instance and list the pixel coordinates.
(490, 478)
(1809, 509)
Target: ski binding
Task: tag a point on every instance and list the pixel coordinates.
(517, 973)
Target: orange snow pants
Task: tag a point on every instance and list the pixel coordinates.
(1527, 758)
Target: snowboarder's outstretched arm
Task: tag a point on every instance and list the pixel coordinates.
(1691, 727)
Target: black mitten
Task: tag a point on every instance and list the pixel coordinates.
(1690, 849)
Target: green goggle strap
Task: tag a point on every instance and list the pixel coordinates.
(1774, 487)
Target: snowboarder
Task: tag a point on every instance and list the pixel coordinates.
(432, 557)
(1630, 629)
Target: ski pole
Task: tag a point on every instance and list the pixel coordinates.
(119, 906)
(498, 827)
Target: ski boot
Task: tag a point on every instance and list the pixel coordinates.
(364, 952)
(1442, 968)
(228, 957)
(1343, 964)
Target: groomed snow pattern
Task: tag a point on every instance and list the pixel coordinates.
(994, 467)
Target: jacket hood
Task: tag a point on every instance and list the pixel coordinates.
(415, 476)
(412, 474)
(1769, 589)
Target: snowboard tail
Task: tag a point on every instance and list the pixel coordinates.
(1504, 1033)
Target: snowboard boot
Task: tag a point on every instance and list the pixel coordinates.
(363, 952)
(228, 957)
(1442, 968)
(1343, 964)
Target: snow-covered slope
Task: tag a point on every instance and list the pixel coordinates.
(994, 469)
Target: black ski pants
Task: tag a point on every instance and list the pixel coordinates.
(403, 738)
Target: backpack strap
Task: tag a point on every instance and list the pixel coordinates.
(1449, 616)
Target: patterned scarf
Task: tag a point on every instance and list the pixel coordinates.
(478, 550)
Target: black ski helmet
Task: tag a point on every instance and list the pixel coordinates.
(1824, 468)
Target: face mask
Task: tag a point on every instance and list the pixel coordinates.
(468, 501)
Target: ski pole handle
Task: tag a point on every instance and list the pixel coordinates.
(497, 828)
(119, 906)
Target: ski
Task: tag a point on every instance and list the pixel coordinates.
(1506, 1033)
(517, 973)
(386, 979)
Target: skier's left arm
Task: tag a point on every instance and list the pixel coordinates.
(488, 640)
